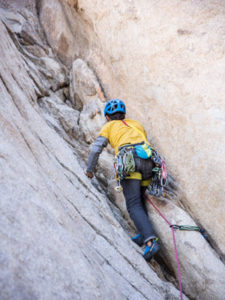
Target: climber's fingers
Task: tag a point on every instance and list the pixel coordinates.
(88, 174)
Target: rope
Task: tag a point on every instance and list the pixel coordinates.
(174, 243)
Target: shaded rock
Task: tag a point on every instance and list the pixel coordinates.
(55, 72)
(86, 95)
(91, 120)
(14, 21)
(83, 84)
(25, 24)
(60, 34)
(66, 116)
(27, 36)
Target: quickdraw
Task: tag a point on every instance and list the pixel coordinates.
(190, 228)
(123, 164)
(159, 178)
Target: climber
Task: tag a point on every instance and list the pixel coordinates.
(133, 168)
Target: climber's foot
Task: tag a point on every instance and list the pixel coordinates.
(151, 249)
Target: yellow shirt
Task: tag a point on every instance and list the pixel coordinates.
(118, 134)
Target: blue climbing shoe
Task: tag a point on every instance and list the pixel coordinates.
(152, 250)
(138, 239)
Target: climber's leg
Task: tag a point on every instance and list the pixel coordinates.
(137, 209)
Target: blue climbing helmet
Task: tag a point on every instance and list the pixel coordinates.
(113, 106)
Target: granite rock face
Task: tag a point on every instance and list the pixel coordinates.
(86, 95)
(62, 237)
(59, 237)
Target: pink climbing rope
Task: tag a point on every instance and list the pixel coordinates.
(174, 243)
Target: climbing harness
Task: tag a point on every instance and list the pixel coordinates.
(173, 227)
(124, 164)
(159, 178)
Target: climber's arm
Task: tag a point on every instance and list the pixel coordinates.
(96, 150)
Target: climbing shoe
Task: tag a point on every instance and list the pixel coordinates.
(152, 250)
(138, 239)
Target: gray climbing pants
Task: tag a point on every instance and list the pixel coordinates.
(135, 202)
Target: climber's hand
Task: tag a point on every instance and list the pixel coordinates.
(88, 174)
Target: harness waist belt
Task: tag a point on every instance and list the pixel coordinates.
(130, 145)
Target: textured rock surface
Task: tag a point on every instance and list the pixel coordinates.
(86, 95)
(166, 59)
(59, 238)
(56, 224)
(202, 271)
